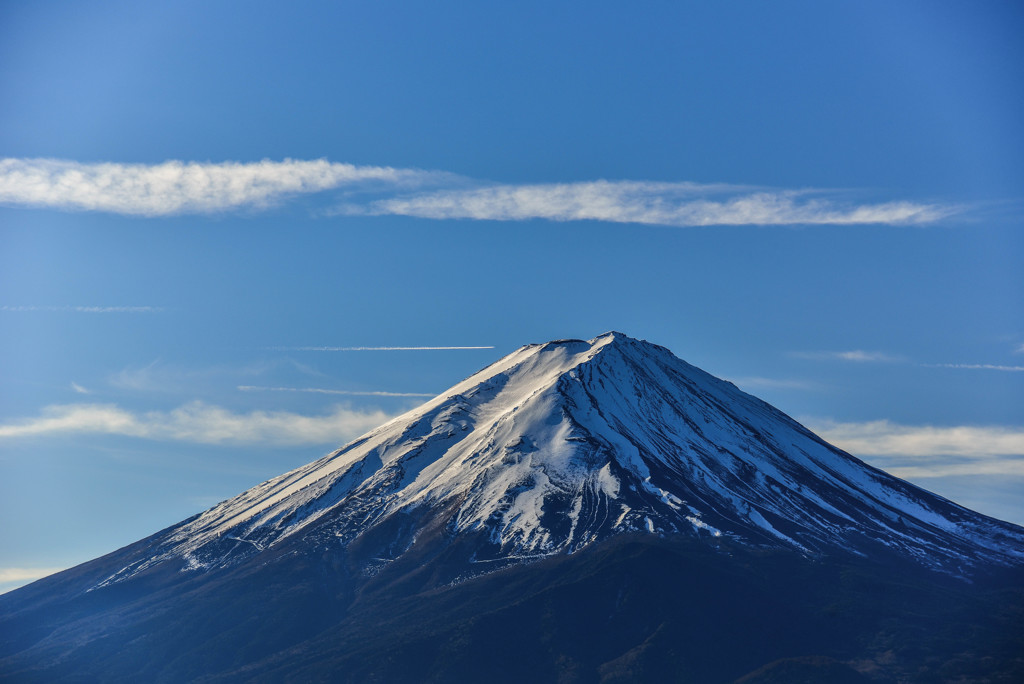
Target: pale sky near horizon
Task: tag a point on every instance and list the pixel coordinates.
(235, 235)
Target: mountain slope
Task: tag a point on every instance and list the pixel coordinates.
(580, 511)
(562, 444)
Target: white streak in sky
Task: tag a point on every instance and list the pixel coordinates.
(201, 423)
(342, 349)
(320, 390)
(25, 574)
(860, 356)
(976, 366)
(87, 309)
(920, 451)
(176, 187)
(885, 437)
(996, 467)
(13, 578)
(79, 389)
(653, 203)
(856, 356)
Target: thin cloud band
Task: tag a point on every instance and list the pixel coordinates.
(178, 187)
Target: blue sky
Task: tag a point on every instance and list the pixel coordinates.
(205, 206)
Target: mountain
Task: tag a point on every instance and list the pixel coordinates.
(519, 509)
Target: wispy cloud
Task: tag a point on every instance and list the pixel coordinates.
(920, 451)
(654, 203)
(861, 356)
(13, 578)
(992, 467)
(176, 187)
(201, 423)
(885, 437)
(153, 376)
(79, 389)
(976, 366)
(25, 574)
(343, 349)
(1019, 349)
(162, 378)
(87, 309)
(856, 356)
(321, 390)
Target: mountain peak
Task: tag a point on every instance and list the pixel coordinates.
(562, 444)
(700, 509)
(612, 337)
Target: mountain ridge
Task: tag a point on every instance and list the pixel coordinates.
(560, 444)
(582, 511)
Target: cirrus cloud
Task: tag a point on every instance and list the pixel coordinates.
(924, 451)
(854, 355)
(200, 423)
(176, 187)
(324, 390)
(344, 349)
(12, 578)
(977, 366)
(885, 437)
(83, 309)
(25, 574)
(653, 203)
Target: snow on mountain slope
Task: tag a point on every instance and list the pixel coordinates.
(558, 445)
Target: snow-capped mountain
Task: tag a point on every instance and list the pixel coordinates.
(559, 445)
(580, 511)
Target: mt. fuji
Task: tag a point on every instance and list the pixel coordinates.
(558, 445)
(604, 460)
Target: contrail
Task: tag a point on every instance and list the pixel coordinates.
(976, 366)
(86, 309)
(340, 349)
(320, 390)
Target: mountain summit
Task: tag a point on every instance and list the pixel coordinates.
(561, 504)
(559, 445)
